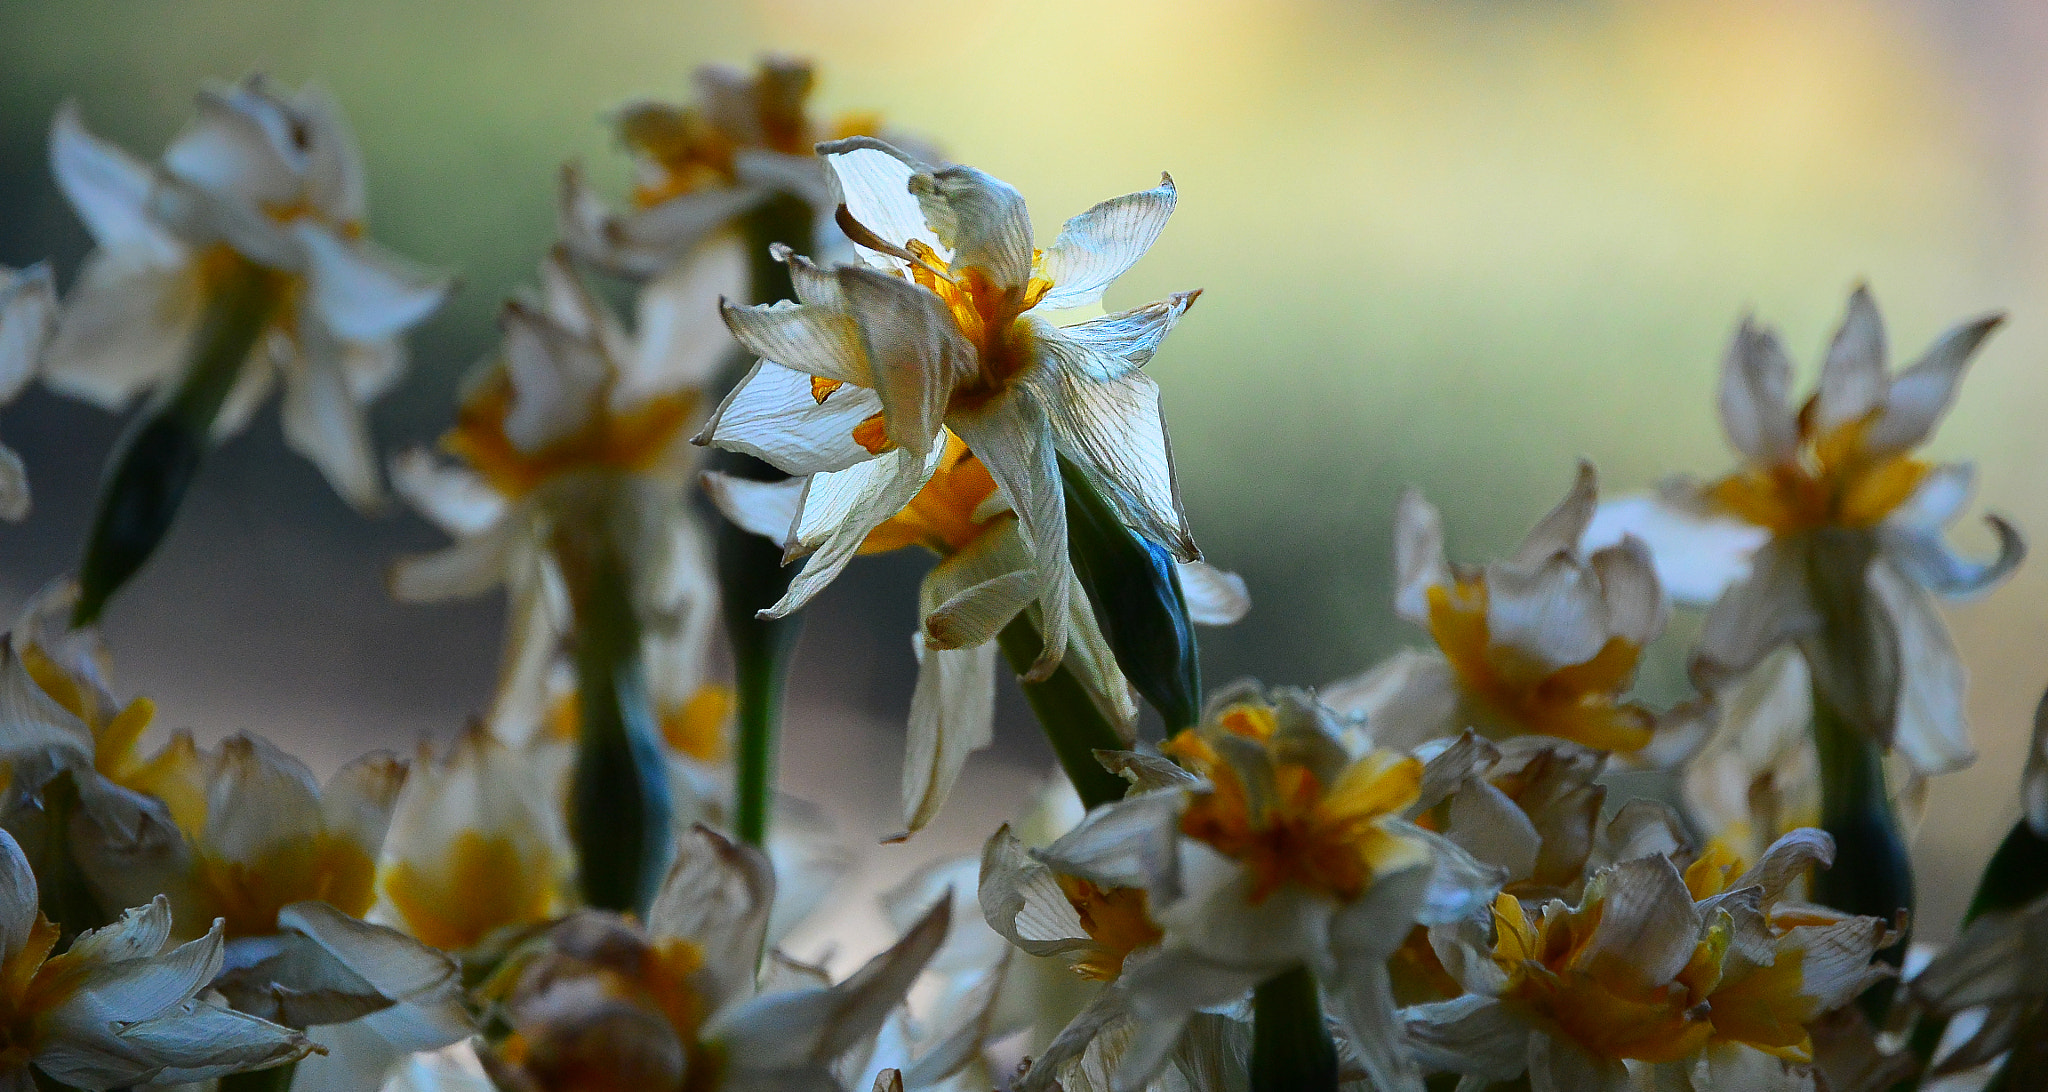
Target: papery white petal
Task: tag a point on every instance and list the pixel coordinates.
(767, 509)
(981, 219)
(1096, 247)
(1920, 396)
(1923, 557)
(773, 416)
(109, 189)
(323, 422)
(1552, 614)
(678, 342)
(872, 180)
(469, 567)
(1561, 529)
(241, 146)
(1647, 929)
(1215, 597)
(1012, 437)
(1853, 380)
(1411, 697)
(1696, 557)
(814, 339)
(1114, 430)
(1132, 843)
(952, 715)
(717, 895)
(1419, 563)
(1636, 607)
(968, 598)
(916, 353)
(452, 497)
(124, 327)
(840, 508)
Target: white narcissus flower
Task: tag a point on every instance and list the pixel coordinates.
(604, 1003)
(120, 1007)
(983, 579)
(1275, 849)
(1829, 533)
(28, 313)
(937, 330)
(1756, 777)
(1544, 642)
(577, 421)
(1687, 981)
(746, 140)
(2000, 966)
(261, 179)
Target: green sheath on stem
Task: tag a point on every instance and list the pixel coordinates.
(156, 461)
(751, 576)
(1068, 713)
(1291, 1046)
(62, 891)
(1872, 873)
(619, 789)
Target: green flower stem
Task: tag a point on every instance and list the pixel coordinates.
(1134, 587)
(1067, 711)
(1291, 1046)
(157, 460)
(619, 789)
(751, 575)
(277, 1078)
(1872, 873)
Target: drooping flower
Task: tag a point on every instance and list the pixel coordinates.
(938, 330)
(577, 424)
(120, 1007)
(261, 185)
(746, 140)
(1274, 849)
(1544, 642)
(28, 313)
(1691, 979)
(983, 579)
(603, 1002)
(1829, 533)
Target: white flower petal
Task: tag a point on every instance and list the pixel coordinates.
(1696, 557)
(1361, 999)
(28, 316)
(952, 715)
(1636, 607)
(1409, 698)
(363, 292)
(1933, 727)
(323, 422)
(110, 191)
(967, 598)
(452, 497)
(1214, 597)
(981, 219)
(1013, 438)
(1647, 929)
(1925, 558)
(916, 353)
(717, 895)
(199, 1041)
(1131, 843)
(124, 327)
(872, 180)
(677, 339)
(1114, 430)
(424, 985)
(1096, 247)
(1419, 563)
(1756, 381)
(136, 989)
(334, 162)
(14, 498)
(772, 415)
(1552, 614)
(471, 566)
(839, 510)
(1920, 396)
(816, 340)
(18, 898)
(1117, 343)
(257, 796)
(767, 509)
(243, 144)
(1853, 380)
(1560, 529)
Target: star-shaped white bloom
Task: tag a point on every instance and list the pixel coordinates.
(262, 178)
(939, 328)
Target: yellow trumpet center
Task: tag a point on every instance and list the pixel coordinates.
(483, 883)
(987, 315)
(1832, 480)
(248, 894)
(629, 441)
(1330, 839)
(1580, 702)
(1116, 918)
(941, 517)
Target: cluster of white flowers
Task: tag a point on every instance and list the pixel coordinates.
(1413, 878)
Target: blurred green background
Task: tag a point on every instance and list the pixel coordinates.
(1448, 244)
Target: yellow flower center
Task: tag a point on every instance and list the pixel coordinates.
(941, 517)
(987, 316)
(1294, 830)
(28, 986)
(682, 151)
(1116, 918)
(698, 727)
(330, 867)
(1580, 702)
(483, 883)
(632, 441)
(174, 775)
(1832, 480)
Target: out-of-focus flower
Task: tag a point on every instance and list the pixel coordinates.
(260, 183)
(1528, 805)
(1686, 979)
(1275, 849)
(1543, 643)
(120, 1007)
(747, 139)
(603, 1002)
(983, 579)
(576, 424)
(477, 845)
(28, 313)
(1830, 532)
(1999, 965)
(938, 330)
(1756, 776)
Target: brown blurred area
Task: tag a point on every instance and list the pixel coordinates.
(1447, 244)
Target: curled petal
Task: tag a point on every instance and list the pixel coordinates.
(1560, 529)
(981, 219)
(773, 415)
(1924, 557)
(1096, 247)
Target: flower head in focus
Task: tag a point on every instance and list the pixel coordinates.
(1829, 532)
(1705, 979)
(1544, 642)
(121, 1006)
(576, 425)
(1273, 848)
(983, 579)
(938, 330)
(261, 185)
(28, 313)
(602, 1002)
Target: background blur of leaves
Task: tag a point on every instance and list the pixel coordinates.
(1449, 244)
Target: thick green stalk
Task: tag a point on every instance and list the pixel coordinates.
(1872, 873)
(619, 788)
(1291, 1046)
(63, 894)
(1067, 711)
(751, 575)
(277, 1078)
(157, 460)
(1134, 587)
